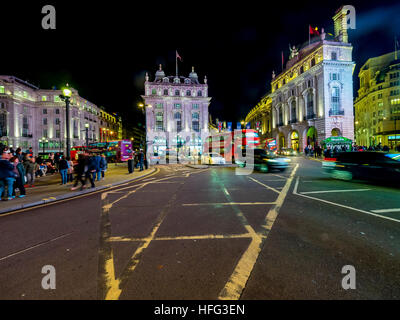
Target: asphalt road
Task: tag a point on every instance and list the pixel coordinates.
(216, 233)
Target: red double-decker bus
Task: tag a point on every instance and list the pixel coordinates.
(229, 144)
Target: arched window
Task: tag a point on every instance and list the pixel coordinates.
(195, 122)
(178, 120)
(280, 116)
(199, 93)
(188, 93)
(310, 105)
(293, 111)
(153, 91)
(159, 121)
(165, 79)
(166, 92)
(177, 92)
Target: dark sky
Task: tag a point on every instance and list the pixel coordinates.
(104, 48)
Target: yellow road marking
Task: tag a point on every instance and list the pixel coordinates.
(196, 237)
(237, 282)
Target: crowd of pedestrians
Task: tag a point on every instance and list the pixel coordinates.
(19, 170)
(332, 152)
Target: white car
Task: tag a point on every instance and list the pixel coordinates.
(212, 158)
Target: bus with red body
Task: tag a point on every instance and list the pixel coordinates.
(229, 144)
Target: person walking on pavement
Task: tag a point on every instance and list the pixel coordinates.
(19, 177)
(30, 169)
(90, 168)
(7, 176)
(103, 165)
(70, 170)
(96, 166)
(79, 170)
(141, 159)
(63, 166)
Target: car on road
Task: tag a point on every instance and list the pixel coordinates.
(266, 161)
(212, 158)
(378, 166)
(288, 152)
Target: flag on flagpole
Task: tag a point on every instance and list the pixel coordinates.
(176, 61)
(178, 56)
(313, 30)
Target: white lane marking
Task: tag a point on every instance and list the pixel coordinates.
(268, 187)
(237, 282)
(35, 246)
(279, 176)
(386, 210)
(227, 204)
(338, 204)
(226, 191)
(329, 191)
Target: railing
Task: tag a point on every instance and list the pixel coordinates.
(26, 135)
(336, 112)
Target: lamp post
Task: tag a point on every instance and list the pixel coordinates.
(87, 135)
(143, 108)
(66, 96)
(43, 141)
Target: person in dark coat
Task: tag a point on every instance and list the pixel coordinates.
(79, 169)
(97, 167)
(7, 176)
(103, 165)
(90, 168)
(19, 177)
(63, 166)
(30, 166)
(141, 159)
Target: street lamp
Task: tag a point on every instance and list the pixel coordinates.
(87, 135)
(43, 141)
(143, 106)
(66, 96)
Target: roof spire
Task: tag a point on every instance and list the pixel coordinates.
(192, 69)
(160, 67)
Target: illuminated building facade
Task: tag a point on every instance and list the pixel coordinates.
(312, 99)
(260, 118)
(176, 113)
(377, 107)
(110, 126)
(29, 115)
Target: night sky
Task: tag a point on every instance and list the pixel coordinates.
(104, 49)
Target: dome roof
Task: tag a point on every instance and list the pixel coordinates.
(193, 75)
(160, 73)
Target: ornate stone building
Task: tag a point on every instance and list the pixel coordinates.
(377, 107)
(312, 99)
(176, 113)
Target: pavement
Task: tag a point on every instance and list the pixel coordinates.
(48, 188)
(212, 233)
